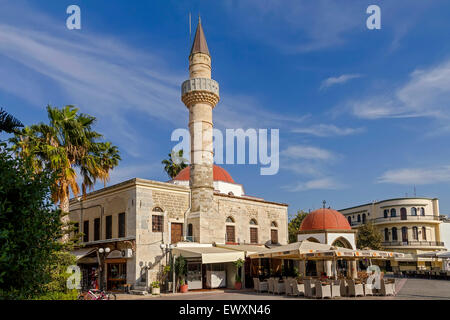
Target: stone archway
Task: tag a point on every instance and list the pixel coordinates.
(312, 239)
(342, 243)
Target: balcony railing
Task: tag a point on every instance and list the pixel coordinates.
(413, 243)
(398, 219)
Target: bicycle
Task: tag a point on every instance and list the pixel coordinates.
(95, 294)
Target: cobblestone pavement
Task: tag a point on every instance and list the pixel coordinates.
(408, 289)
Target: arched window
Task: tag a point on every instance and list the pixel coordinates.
(349, 220)
(424, 233)
(386, 234)
(413, 211)
(230, 220)
(157, 209)
(422, 211)
(403, 215)
(359, 218)
(274, 224)
(386, 213)
(253, 222)
(404, 234)
(394, 234)
(415, 232)
(393, 212)
(363, 218)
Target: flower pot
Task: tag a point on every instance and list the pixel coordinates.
(184, 288)
(238, 285)
(156, 291)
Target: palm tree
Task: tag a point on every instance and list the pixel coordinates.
(175, 163)
(8, 123)
(66, 144)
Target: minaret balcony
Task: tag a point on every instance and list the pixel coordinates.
(200, 84)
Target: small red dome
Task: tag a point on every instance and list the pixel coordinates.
(323, 219)
(219, 174)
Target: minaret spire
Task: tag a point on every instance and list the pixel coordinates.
(199, 45)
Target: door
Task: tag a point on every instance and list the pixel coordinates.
(274, 236)
(253, 235)
(230, 234)
(403, 214)
(176, 232)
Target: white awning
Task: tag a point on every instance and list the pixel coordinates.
(210, 254)
(80, 253)
(247, 248)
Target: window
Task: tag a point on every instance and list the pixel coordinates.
(403, 215)
(359, 218)
(230, 234)
(253, 222)
(413, 211)
(253, 235)
(386, 234)
(86, 231)
(393, 212)
(415, 232)
(394, 234)
(274, 236)
(108, 227)
(157, 223)
(274, 224)
(349, 220)
(363, 218)
(122, 225)
(404, 234)
(190, 230)
(96, 229)
(385, 213)
(157, 209)
(230, 220)
(424, 233)
(422, 211)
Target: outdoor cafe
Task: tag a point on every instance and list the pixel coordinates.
(320, 270)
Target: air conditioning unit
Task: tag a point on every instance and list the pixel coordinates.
(127, 253)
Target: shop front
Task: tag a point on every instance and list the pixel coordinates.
(116, 274)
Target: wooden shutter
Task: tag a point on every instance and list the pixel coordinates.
(253, 235)
(230, 234)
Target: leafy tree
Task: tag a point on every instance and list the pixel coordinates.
(30, 228)
(175, 163)
(8, 123)
(369, 237)
(294, 225)
(64, 145)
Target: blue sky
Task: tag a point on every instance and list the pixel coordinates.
(363, 114)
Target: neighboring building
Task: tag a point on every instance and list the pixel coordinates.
(408, 225)
(445, 231)
(201, 209)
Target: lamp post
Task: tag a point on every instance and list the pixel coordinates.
(102, 253)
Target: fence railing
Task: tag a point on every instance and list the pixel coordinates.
(413, 243)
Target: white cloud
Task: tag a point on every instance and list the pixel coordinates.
(418, 176)
(307, 152)
(327, 130)
(425, 94)
(338, 80)
(326, 183)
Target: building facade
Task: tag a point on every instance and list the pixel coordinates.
(131, 228)
(408, 225)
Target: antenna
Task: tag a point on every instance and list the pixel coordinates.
(415, 191)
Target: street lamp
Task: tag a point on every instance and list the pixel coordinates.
(103, 252)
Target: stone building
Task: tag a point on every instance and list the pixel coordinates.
(131, 229)
(408, 225)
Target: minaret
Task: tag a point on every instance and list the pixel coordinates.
(200, 94)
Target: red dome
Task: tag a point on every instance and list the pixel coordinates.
(323, 219)
(219, 174)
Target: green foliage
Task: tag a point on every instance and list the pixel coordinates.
(181, 268)
(369, 237)
(155, 284)
(56, 295)
(29, 228)
(175, 163)
(8, 123)
(294, 225)
(238, 264)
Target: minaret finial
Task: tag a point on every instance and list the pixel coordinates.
(324, 203)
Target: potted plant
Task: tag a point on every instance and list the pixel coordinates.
(155, 288)
(181, 272)
(165, 277)
(238, 282)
